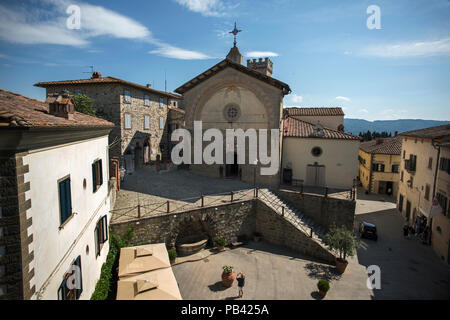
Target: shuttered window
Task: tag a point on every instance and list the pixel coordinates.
(161, 123)
(65, 200)
(146, 100)
(161, 103)
(146, 122)
(101, 234)
(64, 292)
(97, 175)
(127, 96)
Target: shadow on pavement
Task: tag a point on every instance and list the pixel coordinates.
(322, 272)
(217, 287)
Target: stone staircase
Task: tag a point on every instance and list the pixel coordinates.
(302, 222)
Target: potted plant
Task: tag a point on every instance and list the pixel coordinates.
(342, 241)
(323, 287)
(172, 256)
(221, 243)
(228, 276)
(257, 236)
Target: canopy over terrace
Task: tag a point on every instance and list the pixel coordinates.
(137, 260)
(155, 285)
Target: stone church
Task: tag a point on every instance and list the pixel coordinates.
(230, 95)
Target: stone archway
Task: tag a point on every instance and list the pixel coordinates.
(194, 229)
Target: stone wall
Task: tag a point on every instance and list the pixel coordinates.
(15, 258)
(276, 229)
(227, 221)
(324, 211)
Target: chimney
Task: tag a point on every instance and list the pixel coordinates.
(149, 85)
(262, 66)
(96, 75)
(379, 141)
(61, 105)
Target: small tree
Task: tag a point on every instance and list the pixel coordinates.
(84, 104)
(342, 241)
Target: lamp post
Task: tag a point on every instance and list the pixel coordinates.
(255, 163)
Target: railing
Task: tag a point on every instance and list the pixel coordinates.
(326, 191)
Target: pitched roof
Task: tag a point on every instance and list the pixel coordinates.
(296, 111)
(228, 63)
(431, 133)
(294, 127)
(20, 111)
(387, 146)
(106, 80)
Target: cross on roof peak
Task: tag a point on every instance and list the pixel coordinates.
(235, 33)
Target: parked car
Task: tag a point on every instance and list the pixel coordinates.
(368, 230)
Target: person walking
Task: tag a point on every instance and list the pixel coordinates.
(241, 282)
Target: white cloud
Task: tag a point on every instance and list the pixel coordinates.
(49, 27)
(363, 111)
(169, 51)
(258, 54)
(208, 8)
(410, 49)
(345, 99)
(296, 98)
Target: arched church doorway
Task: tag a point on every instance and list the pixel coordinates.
(232, 170)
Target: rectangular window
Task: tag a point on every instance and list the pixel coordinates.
(444, 165)
(146, 122)
(442, 199)
(378, 167)
(101, 234)
(395, 168)
(427, 192)
(127, 96)
(401, 176)
(147, 100)
(161, 103)
(174, 103)
(65, 200)
(74, 275)
(404, 154)
(97, 175)
(161, 123)
(127, 121)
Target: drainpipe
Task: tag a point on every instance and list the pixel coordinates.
(434, 184)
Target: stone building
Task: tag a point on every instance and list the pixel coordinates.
(139, 113)
(379, 165)
(55, 198)
(316, 150)
(418, 171)
(230, 95)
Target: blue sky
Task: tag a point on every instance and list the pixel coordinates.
(322, 49)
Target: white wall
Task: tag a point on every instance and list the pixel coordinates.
(55, 249)
(340, 158)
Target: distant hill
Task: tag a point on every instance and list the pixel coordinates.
(356, 126)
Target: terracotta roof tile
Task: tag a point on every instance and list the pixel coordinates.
(387, 146)
(237, 66)
(431, 133)
(314, 111)
(106, 80)
(301, 129)
(18, 110)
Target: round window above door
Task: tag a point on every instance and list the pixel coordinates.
(316, 151)
(232, 112)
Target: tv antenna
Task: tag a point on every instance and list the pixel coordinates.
(92, 70)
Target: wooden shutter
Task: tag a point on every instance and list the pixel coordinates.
(100, 172)
(94, 178)
(62, 201)
(105, 228)
(78, 263)
(97, 240)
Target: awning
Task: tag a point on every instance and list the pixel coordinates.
(137, 260)
(155, 285)
(423, 212)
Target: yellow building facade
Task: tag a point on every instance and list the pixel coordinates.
(379, 163)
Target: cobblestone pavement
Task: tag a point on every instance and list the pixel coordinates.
(272, 273)
(409, 269)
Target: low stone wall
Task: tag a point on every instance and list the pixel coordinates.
(324, 211)
(278, 230)
(226, 221)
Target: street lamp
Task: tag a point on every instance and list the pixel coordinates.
(255, 163)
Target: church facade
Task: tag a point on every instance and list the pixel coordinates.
(233, 96)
